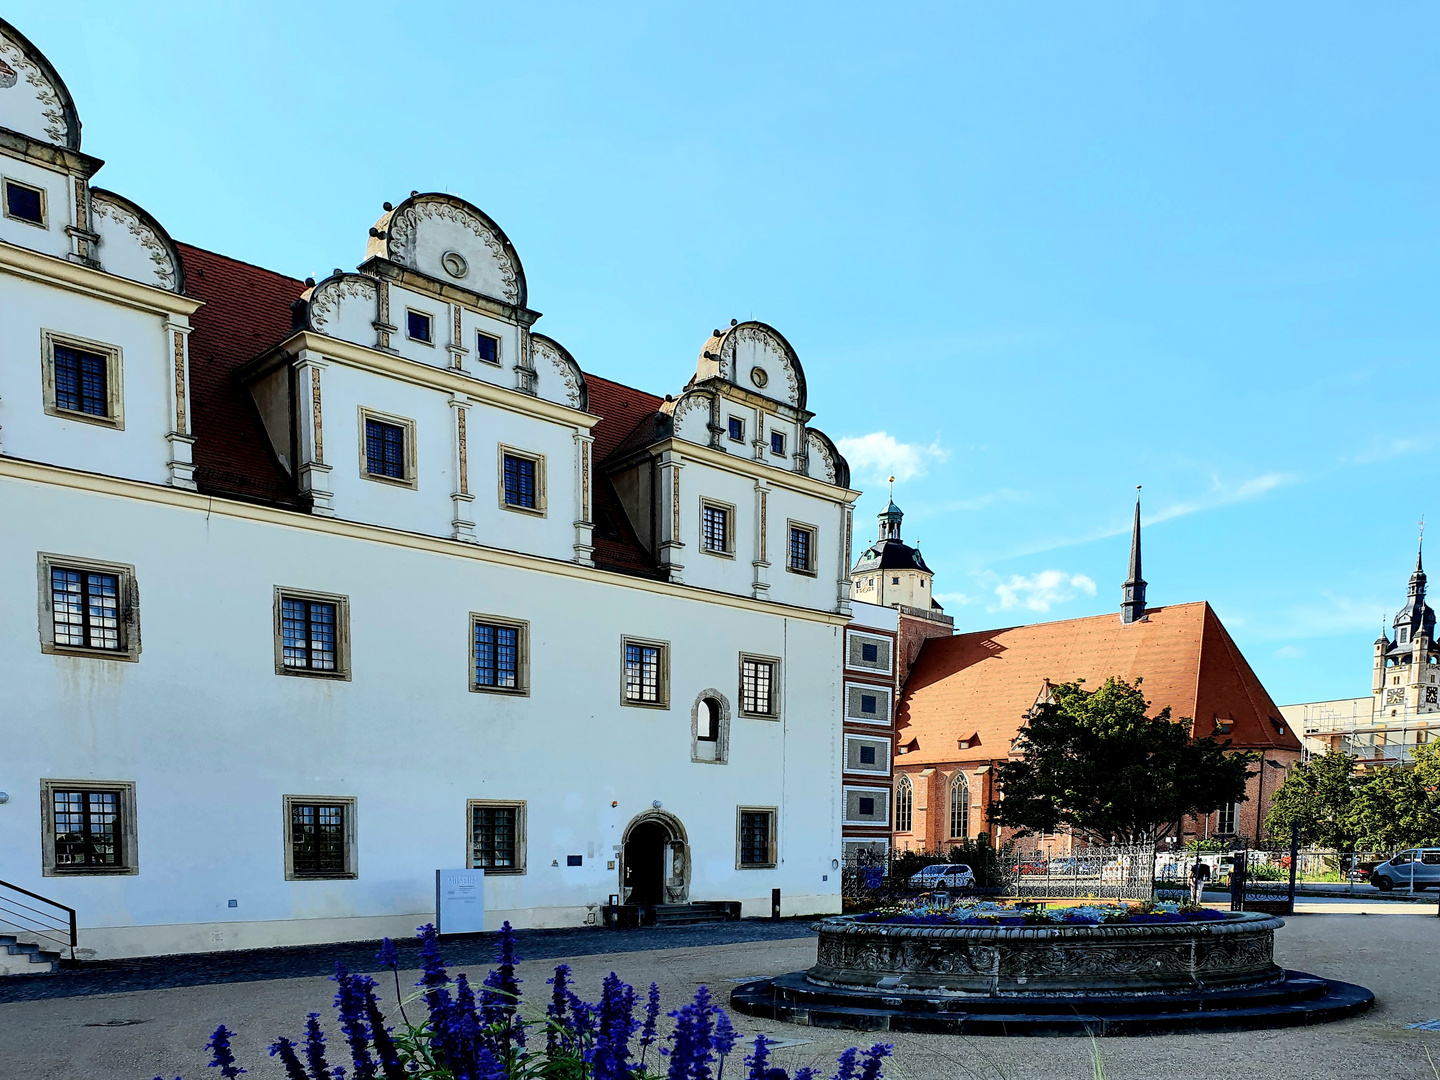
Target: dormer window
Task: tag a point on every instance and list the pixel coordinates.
(418, 326)
(24, 203)
(487, 347)
(737, 429)
(777, 443)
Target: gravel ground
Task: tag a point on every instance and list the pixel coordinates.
(138, 1034)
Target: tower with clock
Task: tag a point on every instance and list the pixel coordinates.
(1406, 680)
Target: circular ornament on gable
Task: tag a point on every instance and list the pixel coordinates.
(758, 377)
(454, 264)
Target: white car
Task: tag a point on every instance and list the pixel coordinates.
(944, 876)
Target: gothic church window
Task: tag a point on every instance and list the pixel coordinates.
(904, 804)
(959, 806)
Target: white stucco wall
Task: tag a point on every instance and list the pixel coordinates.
(213, 739)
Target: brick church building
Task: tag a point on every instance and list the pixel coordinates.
(968, 696)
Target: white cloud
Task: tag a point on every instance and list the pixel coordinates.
(1041, 590)
(957, 599)
(878, 456)
(1290, 652)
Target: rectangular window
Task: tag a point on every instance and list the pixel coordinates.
(321, 837)
(755, 840)
(24, 203)
(498, 656)
(867, 704)
(88, 607)
(801, 554)
(88, 827)
(80, 381)
(715, 533)
(870, 652)
(497, 837)
(867, 755)
(777, 443)
(487, 347)
(312, 634)
(867, 806)
(758, 678)
(522, 481)
(384, 449)
(1225, 825)
(647, 674)
(737, 429)
(417, 325)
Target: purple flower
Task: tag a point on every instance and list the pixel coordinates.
(724, 1039)
(806, 1073)
(873, 1057)
(652, 1017)
(759, 1061)
(285, 1049)
(315, 1049)
(221, 1057)
(388, 956)
(430, 959)
(350, 1001)
(847, 1065)
(609, 1056)
(380, 1036)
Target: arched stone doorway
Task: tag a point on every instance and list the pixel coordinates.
(655, 860)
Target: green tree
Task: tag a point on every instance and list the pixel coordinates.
(1394, 808)
(1094, 762)
(1315, 799)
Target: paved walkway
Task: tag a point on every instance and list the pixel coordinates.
(138, 1035)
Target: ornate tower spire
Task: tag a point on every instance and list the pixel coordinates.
(1132, 603)
(890, 517)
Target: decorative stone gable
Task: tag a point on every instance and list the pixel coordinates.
(33, 99)
(558, 376)
(447, 239)
(132, 244)
(344, 307)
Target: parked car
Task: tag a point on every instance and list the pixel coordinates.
(1420, 865)
(1070, 866)
(944, 876)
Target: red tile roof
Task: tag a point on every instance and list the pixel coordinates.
(985, 683)
(622, 409)
(247, 309)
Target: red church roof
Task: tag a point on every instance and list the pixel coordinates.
(985, 683)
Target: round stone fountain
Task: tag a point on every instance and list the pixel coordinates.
(1108, 979)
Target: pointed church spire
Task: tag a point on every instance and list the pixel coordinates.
(1132, 603)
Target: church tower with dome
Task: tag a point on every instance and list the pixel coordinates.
(890, 572)
(1406, 666)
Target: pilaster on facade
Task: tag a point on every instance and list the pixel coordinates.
(83, 239)
(525, 374)
(384, 327)
(313, 474)
(842, 584)
(456, 346)
(760, 585)
(671, 544)
(180, 437)
(585, 518)
(462, 518)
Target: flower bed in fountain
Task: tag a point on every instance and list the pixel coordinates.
(931, 911)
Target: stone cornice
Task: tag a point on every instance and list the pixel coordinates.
(17, 144)
(35, 472)
(22, 262)
(444, 290)
(414, 371)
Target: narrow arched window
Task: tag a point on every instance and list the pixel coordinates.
(904, 803)
(709, 721)
(959, 806)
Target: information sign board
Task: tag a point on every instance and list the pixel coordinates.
(459, 901)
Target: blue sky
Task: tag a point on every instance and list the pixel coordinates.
(1030, 255)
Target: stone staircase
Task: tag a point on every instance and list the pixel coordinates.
(20, 956)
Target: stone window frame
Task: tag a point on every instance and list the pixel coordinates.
(541, 507)
(9, 181)
(497, 362)
(352, 860)
(129, 590)
(522, 661)
(810, 570)
(722, 741)
(342, 672)
(521, 815)
(877, 639)
(775, 685)
(904, 792)
(884, 792)
(129, 831)
(707, 503)
(774, 837)
(881, 768)
(664, 674)
(429, 318)
(882, 717)
(411, 479)
(114, 355)
(730, 429)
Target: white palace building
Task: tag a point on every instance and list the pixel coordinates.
(309, 589)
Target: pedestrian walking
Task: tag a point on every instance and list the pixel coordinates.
(1199, 875)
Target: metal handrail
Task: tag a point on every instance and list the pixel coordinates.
(64, 924)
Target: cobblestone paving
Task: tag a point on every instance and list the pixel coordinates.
(309, 961)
